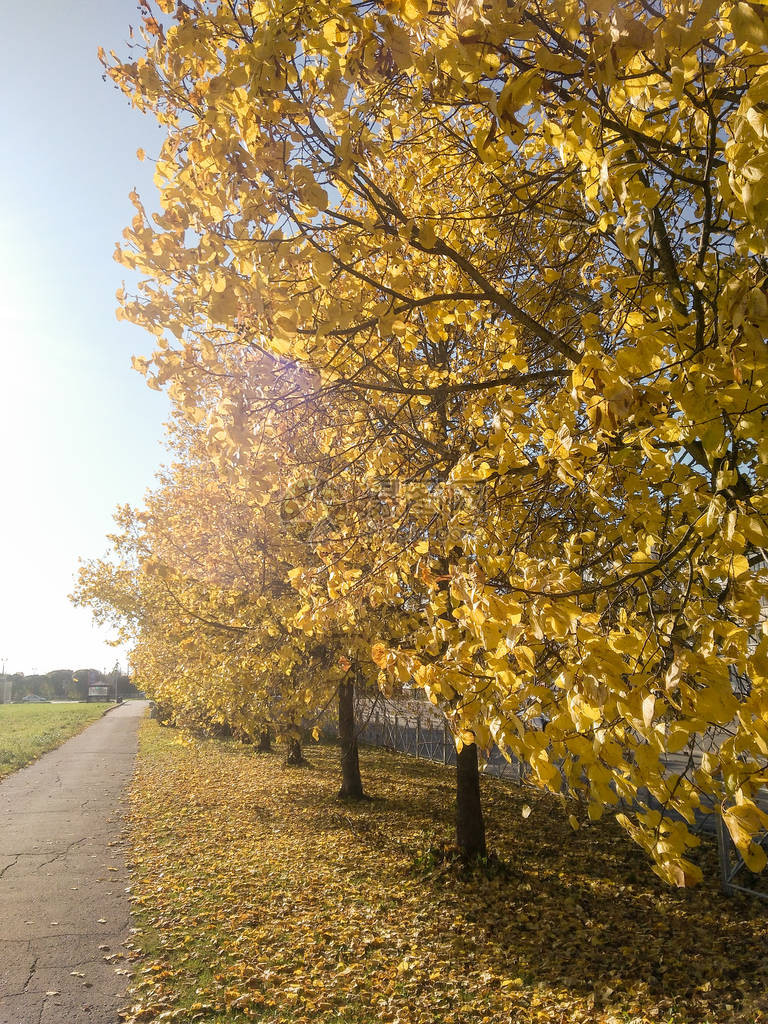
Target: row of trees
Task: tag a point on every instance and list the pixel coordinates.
(463, 310)
(65, 683)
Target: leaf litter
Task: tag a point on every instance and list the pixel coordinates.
(259, 896)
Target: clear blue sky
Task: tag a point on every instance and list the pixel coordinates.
(80, 429)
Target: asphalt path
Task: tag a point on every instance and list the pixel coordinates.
(64, 905)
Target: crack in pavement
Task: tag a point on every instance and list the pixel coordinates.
(23, 992)
(13, 863)
(32, 970)
(63, 853)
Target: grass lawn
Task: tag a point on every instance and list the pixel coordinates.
(28, 730)
(263, 898)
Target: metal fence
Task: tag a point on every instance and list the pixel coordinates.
(414, 727)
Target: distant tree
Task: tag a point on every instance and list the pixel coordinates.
(82, 679)
(126, 687)
(37, 684)
(60, 682)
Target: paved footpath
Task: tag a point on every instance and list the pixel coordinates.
(64, 908)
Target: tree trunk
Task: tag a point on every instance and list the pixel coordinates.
(295, 756)
(470, 827)
(351, 783)
(265, 741)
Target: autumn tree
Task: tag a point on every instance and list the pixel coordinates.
(529, 240)
(200, 583)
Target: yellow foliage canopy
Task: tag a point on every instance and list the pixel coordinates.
(517, 257)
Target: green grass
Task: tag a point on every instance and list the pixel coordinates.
(29, 730)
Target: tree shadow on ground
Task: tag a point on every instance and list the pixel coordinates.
(580, 912)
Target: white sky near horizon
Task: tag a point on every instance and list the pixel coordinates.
(80, 429)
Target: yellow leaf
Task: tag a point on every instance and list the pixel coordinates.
(685, 874)
(315, 195)
(379, 654)
(427, 236)
(335, 32)
(748, 26)
(649, 707)
(412, 10)
(755, 530)
(525, 657)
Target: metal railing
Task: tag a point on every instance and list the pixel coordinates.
(416, 728)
